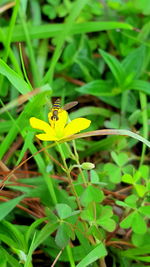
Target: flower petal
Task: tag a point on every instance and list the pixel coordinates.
(46, 137)
(76, 126)
(42, 125)
(39, 124)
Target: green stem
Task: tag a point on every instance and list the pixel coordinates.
(50, 186)
(102, 263)
(78, 162)
(143, 101)
(68, 248)
(30, 49)
(67, 170)
(23, 67)
(70, 256)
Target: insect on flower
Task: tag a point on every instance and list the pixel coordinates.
(56, 109)
(58, 127)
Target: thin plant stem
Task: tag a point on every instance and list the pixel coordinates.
(68, 248)
(70, 256)
(67, 170)
(78, 162)
(102, 263)
(23, 66)
(51, 189)
(30, 48)
(143, 101)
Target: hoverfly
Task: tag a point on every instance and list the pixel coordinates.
(56, 108)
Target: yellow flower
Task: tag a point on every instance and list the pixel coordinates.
(58, 129)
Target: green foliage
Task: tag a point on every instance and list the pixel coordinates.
(7, 207)
(82, 200)
(97, 252)
(99, 215)
(91, 194)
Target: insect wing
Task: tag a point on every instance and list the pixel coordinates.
(70, 105)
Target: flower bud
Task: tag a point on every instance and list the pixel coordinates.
(87, 166)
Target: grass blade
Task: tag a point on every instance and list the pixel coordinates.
(109, 132)
(52, 30)
(94, 255)
(8, 206)
(15, 79)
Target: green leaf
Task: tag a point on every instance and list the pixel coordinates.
(137, 176)
(131, 64)
(138, 224)
(97, 253)
(77, 6)
(113, 172)
(108, 224)
(88, 213)
(131, 201)
(115, 66)
(145, 210)
(29, 253)
(32, 228)
(3, 258)
(134, 117)
(134, 254)
(51, 30)
(90, 110)
(144, 170)
(63, 235)
(143, 7)
(141, 86)
(7, 240)
(15, 79)
(122, 204)
(105, 212)
(121, 159)
(10, 259)
(97, 88)
(12, 235)
(91, 194)
(49, 11)
(7, 207)
(114, 122)
(127, 178)
(94, 177)
(144, 33)
(140, 189)
(127, 222)
(136, 251)
(141, 240)
(143, 258)
(96, 232)
(48, 229)
(63, 210)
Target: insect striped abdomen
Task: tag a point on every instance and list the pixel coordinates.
(56, 107)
